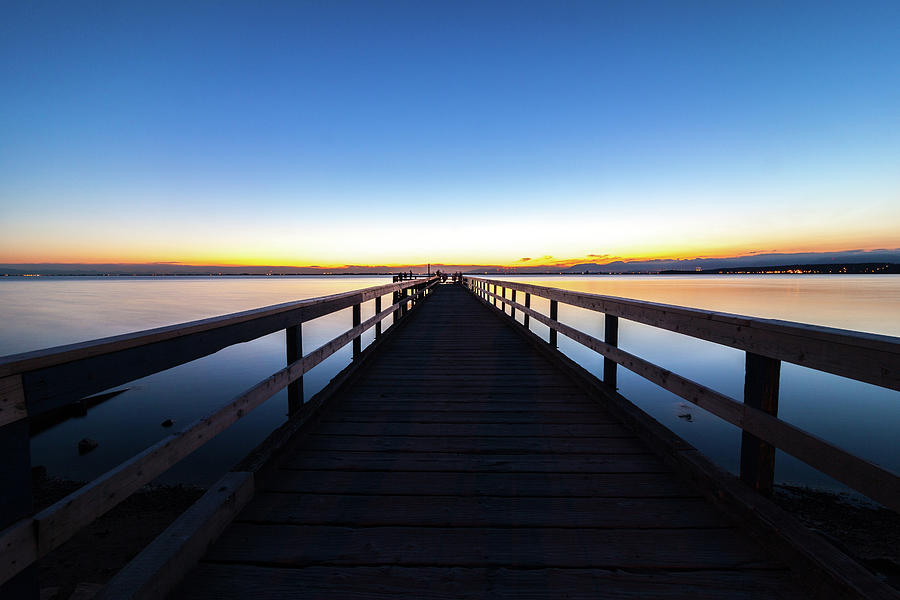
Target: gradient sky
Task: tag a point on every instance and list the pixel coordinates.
(461, 132)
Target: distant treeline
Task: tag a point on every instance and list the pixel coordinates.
(829, 269)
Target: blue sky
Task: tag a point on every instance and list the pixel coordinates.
(301, 133)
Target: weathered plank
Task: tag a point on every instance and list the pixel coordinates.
(226, 581)
(476, 429)
(298, 545)
(547, 484)
(475, 445)
(443, 461)
(460, 415)
(483, 511)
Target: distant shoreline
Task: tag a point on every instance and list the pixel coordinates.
(794, 269)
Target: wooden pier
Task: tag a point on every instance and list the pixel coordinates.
(462, 456)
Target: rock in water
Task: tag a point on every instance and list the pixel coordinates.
(167, 423)
(86, 445)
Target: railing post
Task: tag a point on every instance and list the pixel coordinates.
(554, 311)
(611, 337)
(761, 381)
(494, 291)
(357, 341)
(377, 310)
(295, 353)
(15, 481)
(395, 298)
(503, 296)
(512, 309)
(527, 305)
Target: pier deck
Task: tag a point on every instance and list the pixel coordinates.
(461, 462)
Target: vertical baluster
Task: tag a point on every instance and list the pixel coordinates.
(377, 310)
(395, 298)
(512, 309)
(357, 341)
(611, 337)
(554, 309)
(527, 305)
(761, 380)
(295, 353)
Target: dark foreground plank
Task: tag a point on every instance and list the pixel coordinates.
(473, 463)
(225, 582)
(549, 484)
(474, 445)
(298, 546)
(462, 511)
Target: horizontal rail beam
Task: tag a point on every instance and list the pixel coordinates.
(58, 376)
(866, 357)
(870, 479)
(25, 541)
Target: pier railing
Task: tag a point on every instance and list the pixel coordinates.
(36, 383)
(863, 357)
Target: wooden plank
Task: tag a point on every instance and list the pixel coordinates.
(863, 356)
(548, 484)
(467, 416)
(289, 545)
(472, 463)
(467, 430)
(475, 445)
(226, 581)
(484, 511)
(531, 404)
(12, 400)
(159, 567)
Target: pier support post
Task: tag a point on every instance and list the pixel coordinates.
(357, 341)
(527, 305)
(378, 324)
(761, 381)
(494, 287)
(394, 300)
(611, 337)
(15, 481)
(512, 309)
(295, 353)
(503, 296)
(554, 312)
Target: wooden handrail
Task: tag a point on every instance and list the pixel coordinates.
(867, 357)
(874, 481)
(56, 376)
(26, 540)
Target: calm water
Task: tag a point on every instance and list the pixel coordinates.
(41, 312)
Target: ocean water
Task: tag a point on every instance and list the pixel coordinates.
(42, 312)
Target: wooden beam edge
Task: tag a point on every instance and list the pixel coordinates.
(161, 566)
(772, 527)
